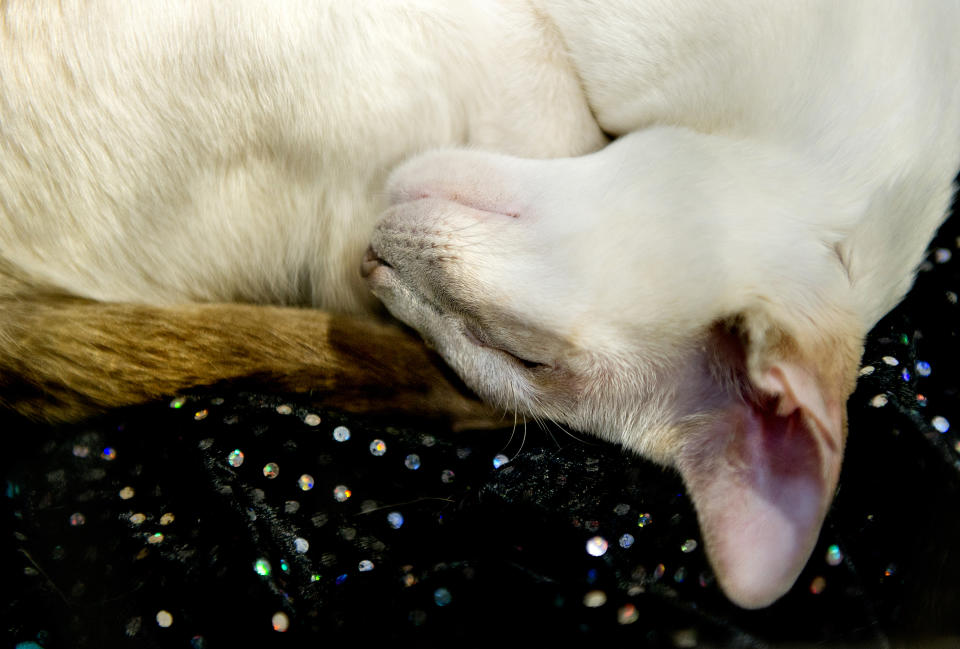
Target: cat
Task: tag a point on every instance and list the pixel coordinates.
(699, 290)
(166, 173)
(173, 184)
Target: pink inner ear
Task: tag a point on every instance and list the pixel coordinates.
(761, 476)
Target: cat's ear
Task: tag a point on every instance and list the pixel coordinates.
(761, 468)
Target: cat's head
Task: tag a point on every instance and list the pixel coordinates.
(571, 290)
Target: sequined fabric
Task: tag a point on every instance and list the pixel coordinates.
(237, 520)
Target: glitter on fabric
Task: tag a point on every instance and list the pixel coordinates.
(817, 585)
(280, 622)
(341, 493)
(879, 401)
(597, 546)
(262, 567)
(834, 555)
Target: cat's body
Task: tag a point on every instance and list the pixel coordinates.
(202, 152)
(697, 291)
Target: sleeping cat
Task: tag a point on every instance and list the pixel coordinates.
(697, 291)
(163, 170)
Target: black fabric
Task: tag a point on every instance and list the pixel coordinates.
(486, 555)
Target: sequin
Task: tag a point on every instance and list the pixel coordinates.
(680, 575)
(395, 519)
(658, 571)
(164, 619)
(905, 374)
(499, 460)
(235, 458)
(280, 622)
(341, 433)
(305, 482)
(923, 368)
(77, 519)
(365, 566)
(628, 614)
(284, 409)
(446, 476)
(688, 546)
(428, 440)
(314, 577)
(879, 401)
(198, 642)
(442, 597)
(177, 403)
(595, 599)
(866, 370)
(597, 546)
(940, 423)
(312, 420)
(942, 255)
(817, 585)
(284, 566)
(951, 297)
(921, 400)
(621, 509)
(834, 555)
(890, 360)
(412, 461)
(378, 447)
(262, 567)
(126, 493)
(167, 518)
(644, 520)
(301, 545)
(137, 518)
(626, 540)
(201, 414)
(109, 453)
(890, 570)
(81, 451)
(156, 537)
(341, 493)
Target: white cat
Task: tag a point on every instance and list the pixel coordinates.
(699, 290)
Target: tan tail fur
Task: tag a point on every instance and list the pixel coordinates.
(63, 358)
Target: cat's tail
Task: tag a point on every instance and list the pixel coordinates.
(63, 358)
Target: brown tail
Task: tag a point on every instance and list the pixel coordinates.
(63, 358)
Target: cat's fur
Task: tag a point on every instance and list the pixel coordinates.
(206, 152)
(697, 291)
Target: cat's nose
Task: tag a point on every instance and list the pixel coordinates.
(370, 262)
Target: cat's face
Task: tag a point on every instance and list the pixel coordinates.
(553, 293)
